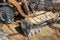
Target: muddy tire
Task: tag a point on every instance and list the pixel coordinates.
(6, 15)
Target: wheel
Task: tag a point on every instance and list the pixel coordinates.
(6, 14)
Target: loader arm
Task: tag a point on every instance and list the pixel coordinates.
(25, 5)
(16, 4)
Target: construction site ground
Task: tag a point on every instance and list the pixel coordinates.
(46, 33)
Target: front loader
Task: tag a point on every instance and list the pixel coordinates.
(31, 10)
(9, 7)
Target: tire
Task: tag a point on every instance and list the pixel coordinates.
(6, 15)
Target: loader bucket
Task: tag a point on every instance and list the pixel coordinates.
(34, 24)
(31, 29)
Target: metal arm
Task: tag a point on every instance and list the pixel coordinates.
(16, 4)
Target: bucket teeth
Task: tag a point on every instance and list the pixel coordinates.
(35, 31)
(32, 33)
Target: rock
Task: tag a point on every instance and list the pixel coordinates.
(3, 36)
